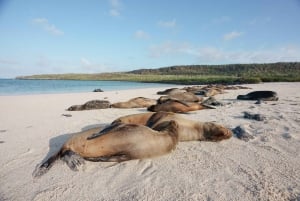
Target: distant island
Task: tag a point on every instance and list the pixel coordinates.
(195, 74)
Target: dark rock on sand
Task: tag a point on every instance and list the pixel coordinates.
(242, 134)
(98, 90)
(257, 117)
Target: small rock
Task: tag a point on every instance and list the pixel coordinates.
(242, 134)
(98, 90)
(257, 117)
(67, 115)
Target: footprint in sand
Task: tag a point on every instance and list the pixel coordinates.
(147, 168)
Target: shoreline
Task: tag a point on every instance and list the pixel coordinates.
(264, 168)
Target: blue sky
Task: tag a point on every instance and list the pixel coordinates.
(92, 36)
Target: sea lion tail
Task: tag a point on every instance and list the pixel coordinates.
(46, 165)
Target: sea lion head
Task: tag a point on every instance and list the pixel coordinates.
(151, 108)
(242, 97)
(215, 132)
(75, 108)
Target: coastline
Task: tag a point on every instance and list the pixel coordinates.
(264, 168)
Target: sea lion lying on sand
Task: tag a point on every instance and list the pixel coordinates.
(120, 142)
(185, 96)
(177, 106)
(91, 105)
(188, 130)
(138, 102)
(171, 91)
(259, 95)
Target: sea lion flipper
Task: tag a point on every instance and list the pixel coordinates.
(72, 159)
(45, 165)
(104, 131)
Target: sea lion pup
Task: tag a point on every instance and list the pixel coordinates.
(120, 142)
(138, 102)
(188, 130)
(259, 95)
(91, 105)
(177, 106)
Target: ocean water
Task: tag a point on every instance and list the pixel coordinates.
(21, 87)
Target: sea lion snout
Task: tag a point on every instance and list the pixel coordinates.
(214, 132)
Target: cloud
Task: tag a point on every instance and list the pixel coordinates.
(87, 66)
(260, 21)
(216, 55)
(221, 19)
(140, 34)
(43, 61)
(168, 24)
(8, 61)
(116, 7)
(232, 35)
(169, 48)
(85, 62)
(50, 28)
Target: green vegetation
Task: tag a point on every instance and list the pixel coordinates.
(196, 74)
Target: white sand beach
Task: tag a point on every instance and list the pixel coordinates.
(266, 167)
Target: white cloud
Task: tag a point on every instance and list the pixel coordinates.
(221, 19)
(260, 21)
(232, 35)
(116, 7)
(140, 34)
(168, 48)
(215, 55)
(89, 67)
(114, 12)
(85, 62)
(168, 24)
(50, 28)
(8, 61)
(218, 55)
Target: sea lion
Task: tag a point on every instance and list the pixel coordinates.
(138, 102)
(171, 91)
(209, 92)
(259, 95)
(177, 106)
(119, 143)
(91, 105)
(188, 130)
(184, 96)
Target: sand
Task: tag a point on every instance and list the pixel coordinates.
(266, 167)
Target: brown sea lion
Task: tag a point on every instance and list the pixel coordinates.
(185, 96)
(138, 102)
(177, 106)
(188, 130)
(91, 105)
(171, 91)
(119, 143)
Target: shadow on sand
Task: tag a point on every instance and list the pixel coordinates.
(56, 143)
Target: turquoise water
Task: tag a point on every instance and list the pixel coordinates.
(19, 87)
